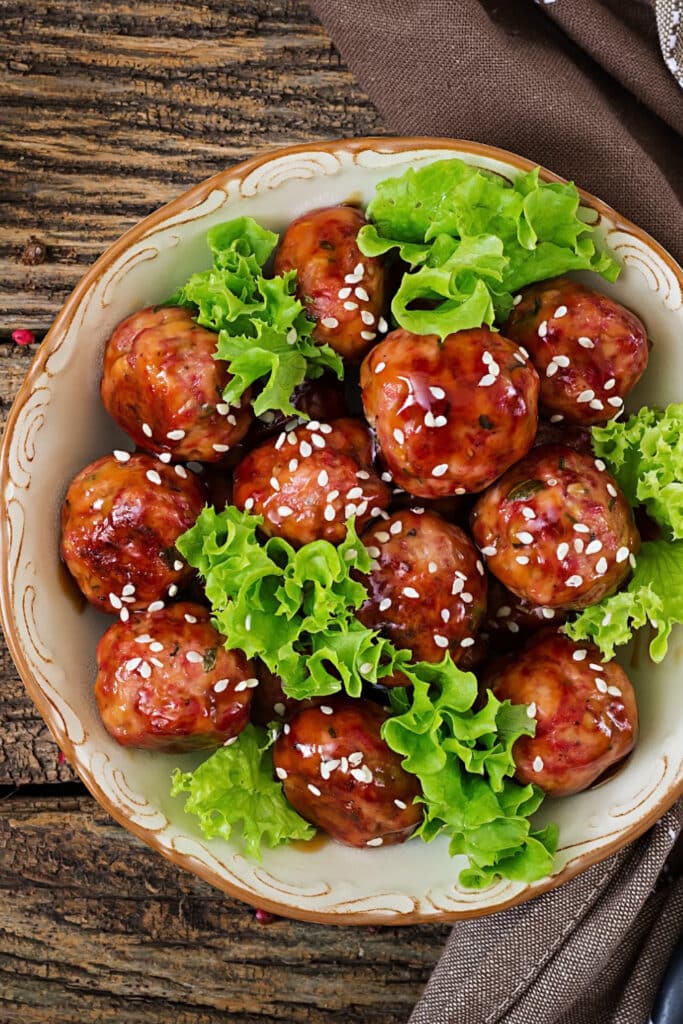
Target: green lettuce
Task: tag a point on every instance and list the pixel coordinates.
(234, 791)
(263, 332)
(475, 239)
(654, 596)
(645, 455)
(463, 759)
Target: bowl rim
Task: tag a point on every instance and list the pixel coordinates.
(184, 202)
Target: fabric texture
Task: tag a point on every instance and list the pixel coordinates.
(591, 90)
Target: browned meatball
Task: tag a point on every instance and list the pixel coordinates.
(339, 774)
(343, 290)
(589, 351)
(427, 592)
(585, 711)
(510, 618)
(306, 483)
(166, 682)
(556, 530)
(161, 383)
(450, 416)
(120, 520)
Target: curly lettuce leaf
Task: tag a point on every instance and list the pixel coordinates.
(463, 759)
(645, 455)
(653, 597)
(263, 332)
(234, 792)
(533, 229)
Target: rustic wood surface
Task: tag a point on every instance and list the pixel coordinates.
(108, 110)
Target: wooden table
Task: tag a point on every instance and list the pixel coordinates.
(109, 109)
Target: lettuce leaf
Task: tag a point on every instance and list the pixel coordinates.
(654, 596)
(475, 239)
(263, 332)
(234, 791)
(463, 759)
(645, 455)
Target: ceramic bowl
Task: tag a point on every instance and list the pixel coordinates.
(58, 424)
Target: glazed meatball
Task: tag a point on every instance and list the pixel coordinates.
(161, 383)
(339, 774)
(589, 351)
(166, 682)
(450, 416)
(120, 520)
(510, 618)
(307, 482)
(556, 530)
(427, 592)
(585, 711)
(343, 290)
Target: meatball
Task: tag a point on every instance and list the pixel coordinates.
(427, 591)
(120, 520)
(589, 351)
(166, 682)
(556, 530)
(343, 290)
(308, 481)
(339, 774)
(161, 383)
(510, 618)
(585, 711)
(450, 416)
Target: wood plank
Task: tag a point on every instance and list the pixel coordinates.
(96, 927)
(112, 109)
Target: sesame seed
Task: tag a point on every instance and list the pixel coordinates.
(153, 476)
(175, 435)
(543, 329)
(480, 567)
(594, 547)
(291, 439)
(132, 664)
(330, 322)
(522, 559)
(286, 728)
(128, 590)
(222, 409)
(279, 708)
(538, 764)
(562, 550)
(355, 492)
(380, 366)
(578, 546)
(329, 513)
(531, 709)
(326, 709)
(437, 392)
(382, 325)
(467, 598)
(361, 294)
(349, 304)
(305, 450)
(559, 312)
(313, 789)
(433, 567)
(368, 335)
(97, 505)
(145, 670)
(293, 465)
(586, 396)
(595, 403)
(548, 613)
(458, 586)
(601, 684)
(609, 384)
(359, 270)
(249, 504)
(331, 496)
(622, 554)
(400, 804)
(586, 343)
(615, 401)
(194, 657)
(284, 511)
(517, 299)
(164, 457)
(190, 618)
(574, 581)
(600, 465)
(632, 563)
(344, 293)
(121, 456)
(513, 627)
(581, 528)
(385, 604)
(467, 642)
(367, 317)
(323, 478)
(557, 418)
(410, 592)
(221, 685)
(375, 842)
(440, 469)
(551, 369)
(440, 641)
(429, 420)
(487, 380)
(445, 615)
(396, 528)
(614, 691)
(350, 555)
(580, 655)
(274, 483)
(528, 512)
(115, 602)
(551, 481)
(281, 773)
(146, 430)
(280, 441)
(524, 537)
(562, 361)
(221, 448)
(318, 441)
(156, 647)
(373, 551)
(382, 536)
(441, 421)
(362, 774)
(489, 551)
(172, 590)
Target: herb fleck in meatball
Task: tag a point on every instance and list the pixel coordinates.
(162, 385)
(427, 592)
(339, 774)
(556, 529)
(166, 682)
(307, 482)
(343, 290)
(585, 711)
(121, 518)
(590, 352)
(450, 416)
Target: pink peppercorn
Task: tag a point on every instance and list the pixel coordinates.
(23, 337)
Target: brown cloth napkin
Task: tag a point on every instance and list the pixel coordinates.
(591, 90)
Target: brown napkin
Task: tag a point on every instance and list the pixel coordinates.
(591, 90)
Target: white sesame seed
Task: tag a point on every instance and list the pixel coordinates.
(458, 586)
(349, 304)
(375, 842)
(410, 592)
(380, 366)
(361, 294)
(329, 513)
(156, 647)
(559, 312)
(221, 685)
(164, 457)
(467, 598)
(286, 728)
(194, 657)
(440, 469)
(132, 664)
(429, 420)
(517, 299)
(489, 551)
(145, 670)
(355, 492)
(440, 641)
(399, 436)
(323, 478)
(281, 773)
(528, 512)
(222, 409)
(609, 384)
(531, 709)
(632, 563)
(580, 655)
(367, 317)
(594, 547)
(249, 504)
(330, 322)
(359, 270)
(146, 430)
(385, 604)
(382, 325)
(467, 642)
(538, 764)
(362, 774)
(221, 448)
(305, 450)
(524, 537)
(128, 590)
(175, 435)
(551, 481)
(551, 368)
(181, 472)
(522, 559)
(445, 615)
(548, 613)
(586, 396)
(513, 627)
(614, 691)
(586, 343)
(284, 511)
(350, 555)
(622, 554)
(344, 293)
(601, 566)
(121, 456)
(291, 439)
(190, 618)
(368, 335)
(293, 465)
(274, 483)
(373, 551)
(562, 361)
(441, 421)
(578, 546)
(400, 804)
(318, 441)
(432, 567)
(437, 392)
(574, 581)
(557, 418)
(331, 496)
(543, 329)
(562, 550)
(601, 684)
(480, 567)
(325, 428)
(326, 709)
(487, 380)
(115, 602)
(153, 476)
(615, 401)
(595, 403)
(382, 536)
(581, 528)
(396, 527)
(313, 789)
(594, 665)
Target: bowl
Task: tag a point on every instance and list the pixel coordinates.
(58, 425)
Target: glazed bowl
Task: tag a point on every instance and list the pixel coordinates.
(58, 425)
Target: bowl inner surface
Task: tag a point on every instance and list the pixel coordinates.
(58, 426)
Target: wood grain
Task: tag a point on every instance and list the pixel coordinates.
(96, 927)
(111, 109)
